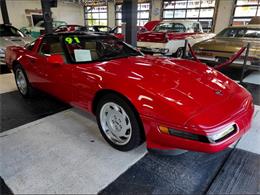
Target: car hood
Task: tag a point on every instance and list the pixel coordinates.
(173, 84)
(14, 41)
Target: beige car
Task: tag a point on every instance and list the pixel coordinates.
(220, 48)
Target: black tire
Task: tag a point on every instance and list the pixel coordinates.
(29, 90)
(136, 137)
(179, 53)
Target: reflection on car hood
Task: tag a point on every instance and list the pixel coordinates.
(14, 41)
(194, 84)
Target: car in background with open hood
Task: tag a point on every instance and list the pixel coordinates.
(38, 29)
(168, 37)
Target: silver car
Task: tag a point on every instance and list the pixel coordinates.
(9, 36)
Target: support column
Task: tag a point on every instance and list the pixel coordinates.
(4, 11)
(47, 17)
(111, 13)
(129, 17)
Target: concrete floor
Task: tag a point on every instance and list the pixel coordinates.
(65, 153)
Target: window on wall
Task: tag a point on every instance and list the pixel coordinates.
(96, 15)
(245, 10)
(197, 10)
(143, 13)
(119, 14)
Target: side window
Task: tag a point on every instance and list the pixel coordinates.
(51, 45)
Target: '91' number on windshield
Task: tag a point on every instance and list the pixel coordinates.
(70, 40)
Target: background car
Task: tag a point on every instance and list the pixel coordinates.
(38, 29)
(168, 37)
(70, 28)
(220, 48)
(10, 35)
(135, 97)
(106, 29)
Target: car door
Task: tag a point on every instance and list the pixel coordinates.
(57, 77)
(83, 56)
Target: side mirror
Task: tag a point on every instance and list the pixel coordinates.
(55, 59)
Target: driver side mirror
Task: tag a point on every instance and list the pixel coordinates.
(55, 59)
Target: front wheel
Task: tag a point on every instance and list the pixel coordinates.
(22, 82)
(118, 123)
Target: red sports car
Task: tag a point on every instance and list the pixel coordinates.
(170, 103)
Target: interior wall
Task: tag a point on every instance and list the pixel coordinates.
(224, 14)
(16, 11)
(111, 14)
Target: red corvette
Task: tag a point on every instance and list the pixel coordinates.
(172, 103)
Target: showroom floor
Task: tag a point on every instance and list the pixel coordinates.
(49, 147)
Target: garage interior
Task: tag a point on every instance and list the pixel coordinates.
(49, 147)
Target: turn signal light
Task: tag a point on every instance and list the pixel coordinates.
(164, 129)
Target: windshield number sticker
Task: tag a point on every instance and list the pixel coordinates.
(70, 40)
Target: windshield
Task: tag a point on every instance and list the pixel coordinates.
(86, 49)
(8, 31)
(170, 27)
(240, 32)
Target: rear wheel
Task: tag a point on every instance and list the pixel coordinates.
(118, 123)
(22, 82)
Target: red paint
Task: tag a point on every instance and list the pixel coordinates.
(151, 24)
(176, 93)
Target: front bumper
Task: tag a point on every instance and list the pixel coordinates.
(153, 48)
(155, 139)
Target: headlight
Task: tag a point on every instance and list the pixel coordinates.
(2, 50)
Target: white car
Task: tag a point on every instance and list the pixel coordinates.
(168, 37)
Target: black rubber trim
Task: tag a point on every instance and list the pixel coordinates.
(200, 138)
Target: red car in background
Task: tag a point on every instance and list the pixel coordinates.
(168, 37)
(170, 103)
